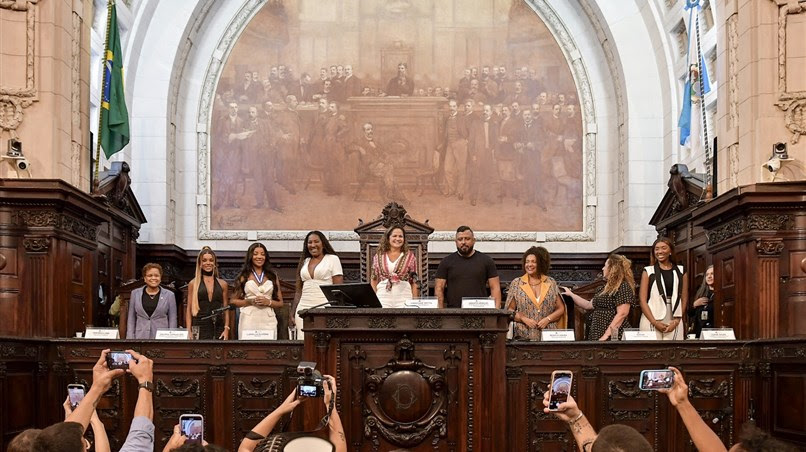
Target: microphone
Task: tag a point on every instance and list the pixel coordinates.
(229, 307)
(727, 412)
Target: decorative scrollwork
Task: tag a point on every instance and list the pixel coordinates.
(590, 371)
(452, 355)
(472, 323)
(381, 323)
(257, 388)
(154, 353)
(276, 354)
(237, 354)
(652, 355)
(770, 248)
(708, 387)
(79, 353)
(179, 387)
(322, 339)
(487, 340)
(624, 388)
(36, 244)
(428, 323)
(199, 353)
(337, 322)
(219, 371)
(514, 373)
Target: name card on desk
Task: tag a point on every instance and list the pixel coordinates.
(422, 303)
(102, 333)
(718, 334)
(557, 336)
(634, 334)
(478, 303)
(258, 335)
(172, 334)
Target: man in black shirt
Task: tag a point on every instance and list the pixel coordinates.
(466, 273)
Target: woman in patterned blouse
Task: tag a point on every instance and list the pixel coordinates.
(392, 269)
(535, 297)
(610, 306)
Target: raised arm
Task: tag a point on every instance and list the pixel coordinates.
(703, 437)
(101, 382)
(264, 427)
(569, 412)
(336, 433)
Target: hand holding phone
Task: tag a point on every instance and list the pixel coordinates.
(560, 388)
(654, 380)
(192, 427)
(118, 359)
(76, 393)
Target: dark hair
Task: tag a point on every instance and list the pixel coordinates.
(753, 439)
(151, 266)
(667, 241)
(463, 229)
(384, 246)
(61, 437)
(327, 248)
(243, 275)
(543, 259)
(24, 442)
(620, 438)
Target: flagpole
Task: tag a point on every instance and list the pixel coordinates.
(96, 181)
(701, 82)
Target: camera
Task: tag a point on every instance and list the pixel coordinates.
(309, 381)
(779, 150)
(21, 163)
(772, 165)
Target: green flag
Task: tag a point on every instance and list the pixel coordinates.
(114, 123)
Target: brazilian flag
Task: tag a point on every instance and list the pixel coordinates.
(114, 123)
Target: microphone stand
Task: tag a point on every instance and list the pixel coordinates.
(214, 316)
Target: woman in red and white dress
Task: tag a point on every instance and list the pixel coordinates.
(394, 268)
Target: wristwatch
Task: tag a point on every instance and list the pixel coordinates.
(147, 385)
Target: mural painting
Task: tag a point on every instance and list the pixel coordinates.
(464, 111)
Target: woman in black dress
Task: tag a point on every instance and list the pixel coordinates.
(611, 304)
(701, 312)
(206, 293)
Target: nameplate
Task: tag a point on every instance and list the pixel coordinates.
(632, 334)
(172, 334)
(422, 303)
(557, 336)
(478, 303)
(258, 335)
(718, 334)
(102, 333)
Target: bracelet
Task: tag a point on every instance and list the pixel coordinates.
(226, 327)
(575, 420)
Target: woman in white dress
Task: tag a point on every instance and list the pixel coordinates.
(319, 265)
(257, 292)
(392, 269)
(664, 293)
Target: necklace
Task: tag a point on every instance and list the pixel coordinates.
(153, 297)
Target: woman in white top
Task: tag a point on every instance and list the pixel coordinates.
(318, 266)
(664, 293)
(257, 292)
(393, 268)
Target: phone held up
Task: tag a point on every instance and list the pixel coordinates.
(560, 388)
(652, 380)
(76, 394)
(192, 426)
(118, 359)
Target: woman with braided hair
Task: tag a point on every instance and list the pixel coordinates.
(610, 306)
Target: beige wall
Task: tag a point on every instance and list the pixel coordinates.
(761, 69)
(44, 87)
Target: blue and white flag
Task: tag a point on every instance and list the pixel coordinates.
(691, 115)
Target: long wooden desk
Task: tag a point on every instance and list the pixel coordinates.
(486, 393)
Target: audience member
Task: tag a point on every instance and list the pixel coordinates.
(98, 429)
(703, 437)
(701, 312)
(535, 297)
(150, 307)
(466, 273)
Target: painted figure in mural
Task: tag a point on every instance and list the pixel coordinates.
(373, 164)
(530, 162)
(402, 84)
(230, 134)
(335, 136)
(351, 85)
(482, 138)
(508, 133)
(552, 155)
(288, 144)
(454, 147)
(392, 268)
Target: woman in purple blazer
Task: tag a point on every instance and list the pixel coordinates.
(150, 307)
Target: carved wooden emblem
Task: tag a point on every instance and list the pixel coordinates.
(405, 400)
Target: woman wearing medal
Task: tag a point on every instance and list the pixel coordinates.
(257, 292)
(664, 293)
(393, 268)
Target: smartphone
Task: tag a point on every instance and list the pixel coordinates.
(560, 388)
(118, 359)
(192, 426)
(76, 394)
(652, 380)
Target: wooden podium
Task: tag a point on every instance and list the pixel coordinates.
(416, 379)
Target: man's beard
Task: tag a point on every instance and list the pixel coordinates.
(463, 253)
